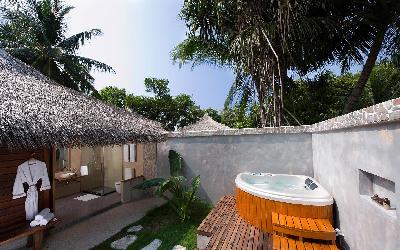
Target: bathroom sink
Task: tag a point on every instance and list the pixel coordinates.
(64, 175)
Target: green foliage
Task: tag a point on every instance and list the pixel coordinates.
(34, 32)
(384, 82)
(182, 195)
(308, 101)
(234, 117)
(113, 95)
(164, 224)
(171, 111)
(157, 86)
(155, 182)
(175, 163)
(214, 114)
(175, 190)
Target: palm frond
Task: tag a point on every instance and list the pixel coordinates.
(73, 43)
(90, 63)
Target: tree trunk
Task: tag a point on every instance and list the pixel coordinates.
(366, 71)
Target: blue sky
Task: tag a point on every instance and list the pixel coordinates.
(138, 38)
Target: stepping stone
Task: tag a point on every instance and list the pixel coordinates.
(124, 242)
(179, 247)
(134, 229)
(154, 245)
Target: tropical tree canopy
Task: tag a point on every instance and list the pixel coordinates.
(261, 40)
(34, 31)
(372, 28)
(172, 112)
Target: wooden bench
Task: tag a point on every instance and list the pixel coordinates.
(320, 229)
(283, 243)
(26, 231)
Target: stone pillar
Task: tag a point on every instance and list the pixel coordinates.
(150, 160)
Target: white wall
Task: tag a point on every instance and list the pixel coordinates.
(337, 158)
(218, 159)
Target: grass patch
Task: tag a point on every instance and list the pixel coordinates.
(162, 223)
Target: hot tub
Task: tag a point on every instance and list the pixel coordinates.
(260, 194)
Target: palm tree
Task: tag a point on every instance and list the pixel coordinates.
(35, 31)
(261, 40)
(373, 26)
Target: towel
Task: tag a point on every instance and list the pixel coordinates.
(46, 219)
(42, 214)
(35, 223)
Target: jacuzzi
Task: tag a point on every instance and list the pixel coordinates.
(284, 188)
(258, 195)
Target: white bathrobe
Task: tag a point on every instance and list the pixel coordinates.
(30, 172)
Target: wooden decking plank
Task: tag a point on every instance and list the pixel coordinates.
(256, 240)
(276, 241)
(300, 245)
(241, 231)
(304, 224)
(250, 239)
(243, 237)
(275, 219)
(297, 223)
(325, 247)
(221, 225)
(292, 244)
(316, 246)
(282, 220)
(327, 225)
(289, 221)
(333, 247)
(232, 233)
(308, 246)
(312, 225)
(267, 241)
(284, 244)
(320, 225)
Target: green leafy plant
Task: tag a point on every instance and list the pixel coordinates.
(175, 163)
(175, 190)
(182, 195)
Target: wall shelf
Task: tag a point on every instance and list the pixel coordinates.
(370, 184)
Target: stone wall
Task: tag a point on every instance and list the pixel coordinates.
(149, 160)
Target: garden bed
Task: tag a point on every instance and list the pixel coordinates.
(162, 223)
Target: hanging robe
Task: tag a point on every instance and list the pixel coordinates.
(31, 172)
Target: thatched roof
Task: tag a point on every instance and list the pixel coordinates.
(204, 124)
(37, 112)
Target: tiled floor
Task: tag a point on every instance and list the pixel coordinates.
(71, 211)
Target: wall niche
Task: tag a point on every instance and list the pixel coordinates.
(370, 184)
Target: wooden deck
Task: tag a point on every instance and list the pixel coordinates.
(225, 229)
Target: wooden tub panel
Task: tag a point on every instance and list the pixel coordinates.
(258, 211)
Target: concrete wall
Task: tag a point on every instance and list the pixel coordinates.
(338, 157)
(218, 159)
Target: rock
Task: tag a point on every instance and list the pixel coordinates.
(134, 229)
(179, 247)
(124, 242)
(155, 244)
